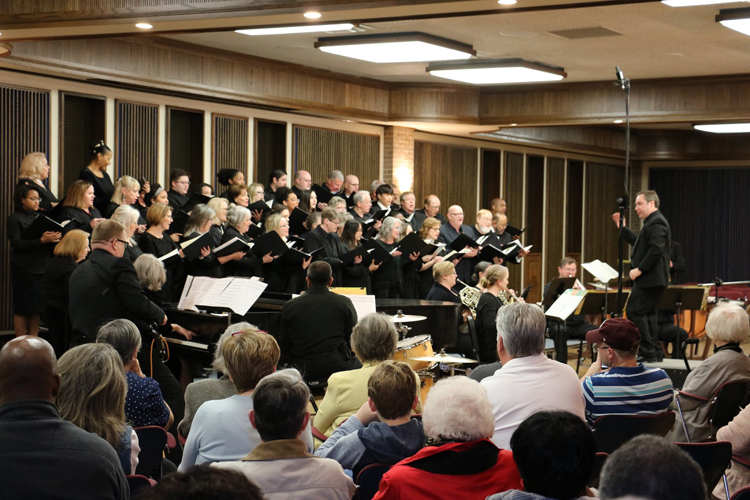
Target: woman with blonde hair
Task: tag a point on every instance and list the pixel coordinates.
(495, 283)
(158, 243)
(129, 217)
(444, 274)
(220, 206)
(126, 193)
(72, 249)
(96, 174)
(281, 277)
(33, 172)
(79, 206)
(257, 193)
(92, 396)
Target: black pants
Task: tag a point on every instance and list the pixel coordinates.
(560, 332)
(671, 333)
(323, 366)
(641, 310)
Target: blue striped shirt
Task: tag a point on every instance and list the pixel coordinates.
(627, 391)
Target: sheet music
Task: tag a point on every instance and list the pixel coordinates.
(363, 304)
(185, 290)
(237, 294)
(600, 270)
(482, 239)
(197, 287)
(213, 294)
(566, 304)
(270, 203)
(171, 254)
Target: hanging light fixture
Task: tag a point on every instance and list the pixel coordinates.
(396, 47)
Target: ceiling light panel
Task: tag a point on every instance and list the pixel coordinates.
(736, 19)
(289, 30)
(724, 128)
(497, 72)
(396, 48)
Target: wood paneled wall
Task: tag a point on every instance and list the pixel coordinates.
(137, 150)
(455, 103)
(450, 172)
(555, 215)
(319, 151)
(229, 142)
(604, 184)
(24, 129)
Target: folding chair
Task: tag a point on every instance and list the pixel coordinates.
(725, 403)
(153, 441)
(713, 459)
(368, 480)
(612, 431)
(136, 482)
(473, 337)
(743, 494)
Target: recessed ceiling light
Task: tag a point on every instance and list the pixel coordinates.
(693, 3)
(144, 26)
(313, 15)
(287, 30)
(396, 47)
(507, 2)
(618, 121)
(724, 128)
(513, 124)
(500, 71)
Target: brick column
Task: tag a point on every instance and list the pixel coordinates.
(398, 157)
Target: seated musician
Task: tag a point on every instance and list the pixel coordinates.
(317, 327)
(445, 276)
(575, 327)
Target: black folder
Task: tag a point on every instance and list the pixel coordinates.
(378, 253)
(269, 242)
(514, 231)
(349, 256)
(298, 242)
(324, 195)
(411, 243)
(463, 241)
(260, 206)
(195, 199)
(489, 253)
(234, 245)
(179, 220)
(254, 230)
(294, 257)
(296, 221)
(192, 247)
(43, 224)
(171, 259)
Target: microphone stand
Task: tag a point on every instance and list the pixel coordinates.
(624, 84)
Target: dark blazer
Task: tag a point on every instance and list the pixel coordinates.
(30, 255)
(333, 248)
(420, 216)
(249, 265)
(57, 281)
(176, 200)
(106, 287)
(651, 250)
(447, 234)
(80, 216)
(439, 292)
(487, 309)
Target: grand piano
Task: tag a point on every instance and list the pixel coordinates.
(441, 323)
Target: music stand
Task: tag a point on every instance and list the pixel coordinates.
(601, 302)
(556, 287)
(683, 298)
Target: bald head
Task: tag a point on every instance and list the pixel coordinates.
(28, 370)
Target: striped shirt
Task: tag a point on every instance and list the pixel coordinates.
(627, 391)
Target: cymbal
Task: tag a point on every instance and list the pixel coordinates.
(444, 358)
(407, 318)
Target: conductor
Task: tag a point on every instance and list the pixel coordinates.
(649, 270)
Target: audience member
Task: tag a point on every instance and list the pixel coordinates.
(728, 327)
(203, 483)
(736, 432)
(221, 431)
(649, 467)
(554, 452)
(92, 396)
(316, 327)
(528, 381)
(44, 456)
(459, 460)
(144, 404)
(382, 431)
(374, 339)
(616, 384)
(280, 465)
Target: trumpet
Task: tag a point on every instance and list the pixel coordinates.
(469, 297)
(507, 296)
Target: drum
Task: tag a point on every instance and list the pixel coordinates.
(426, 381)
(415, 347)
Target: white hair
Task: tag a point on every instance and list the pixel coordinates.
(728, 322)
(521, 327)
(458, 409)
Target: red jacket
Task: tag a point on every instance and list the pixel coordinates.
(472, 470)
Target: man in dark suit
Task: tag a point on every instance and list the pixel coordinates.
(649, 270)
(431, 209)
(316, 328)
(450, 231)
(325, 236)
(179, 183)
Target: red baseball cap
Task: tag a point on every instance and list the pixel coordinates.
(618, 333)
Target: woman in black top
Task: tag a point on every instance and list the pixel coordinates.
(33, 172)
(72, 249)
(387, 280)
(129, 217)
(199, 223)
(230, 177)
(429, 232)
(79, 206)
(496, 295)
(28, 259)
(126, 193)
(220, 206)
(444, 274)
(158, 243)
(238, 222)
(357, 274)
(96, 174)
(281, 278)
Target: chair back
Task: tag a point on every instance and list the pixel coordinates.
(612, 431)
(136, 482)
(473, 337)
(152, 440)
(713, 459)
(368, 480)
(727, 402)
(596, 470)
(743, 494)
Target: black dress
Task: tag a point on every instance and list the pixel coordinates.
(358, 275)
(28, 259)
(387, 279)
(487, 308)
(82, 217)
(56, 285)
(249, 265)
(159, 248)
(47, 198)
(207, 266)
(103, 187)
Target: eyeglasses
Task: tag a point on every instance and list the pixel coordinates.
(124, 242)
(596, 348)
(33, 199)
